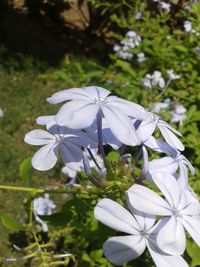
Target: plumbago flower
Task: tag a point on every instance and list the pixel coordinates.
(87, 104)
(148, 126)
(180, 208)
(57, 138)
(141, 234)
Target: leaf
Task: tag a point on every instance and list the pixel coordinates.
(113, 156)
(9, 223)
(193, 251)
(25, 169)
(56, 219)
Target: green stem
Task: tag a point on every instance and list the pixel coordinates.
(17, 188)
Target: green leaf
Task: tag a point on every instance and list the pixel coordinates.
(9, 223)
(113, 156)
(25, 169)
(193, 251)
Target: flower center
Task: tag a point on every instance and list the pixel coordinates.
(99, 100)
(176, 213)
(59, 138)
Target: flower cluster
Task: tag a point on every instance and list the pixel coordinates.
(152, 80)
(123, 49)
(92, 117)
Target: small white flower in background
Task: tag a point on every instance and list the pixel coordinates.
(1, 113)
(141, 57)
(138, 15)
(69, 172)
(165, 6)
(131, 40)
(172, 76)
(197, 50)
(181, 211)
(141, 235)
(178, 114)
(161, 105)
(155, 79)
(43, 206)
(188, 27)
(125, 55)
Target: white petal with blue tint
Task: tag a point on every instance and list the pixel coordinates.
(121, 249)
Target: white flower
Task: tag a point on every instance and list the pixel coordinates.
(141, 234)
(125, 55)
(69, 172)
(138, 15)
(169, 164)
(89, 102)
(181, 210)
(178, 115)
(165, 6)
(172, 76)
(141, 57)
(188, 27)
(160, 105)
(68, 141)
(147, 127)
(1, 113)
(43, 206)
(155, 79)
(116, 48)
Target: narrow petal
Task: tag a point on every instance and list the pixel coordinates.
(129, 108)
(145, 163)
(44, 120)
(171, 138)
(145, 221)
(183, 177)
(77, 114)
(168, 186)
(121, 249)
(189, 204)
(171, 237)
(39, 137)
(165, 164)
(192, 225)
(68, 94)
(160, 146)
(146, 200)
(121, 126)
(166, 125)
(71, 155)
(162, 259)
(96, 92)
(145, 130)
(45, 158)
(116, 217)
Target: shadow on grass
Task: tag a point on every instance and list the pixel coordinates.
(45, 38)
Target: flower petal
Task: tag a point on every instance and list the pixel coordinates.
(121, 126)
(131, 109)
(77, 114)
(145, 200)
(171, 237)
(171, 138)
(39, 137)
(189, 204)
(116, 217)
(45, 158)
(162, 259)
(71, 155)
(121, 249)
(192, 225)
(165, 164)
(168, 186)
(145, 130)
